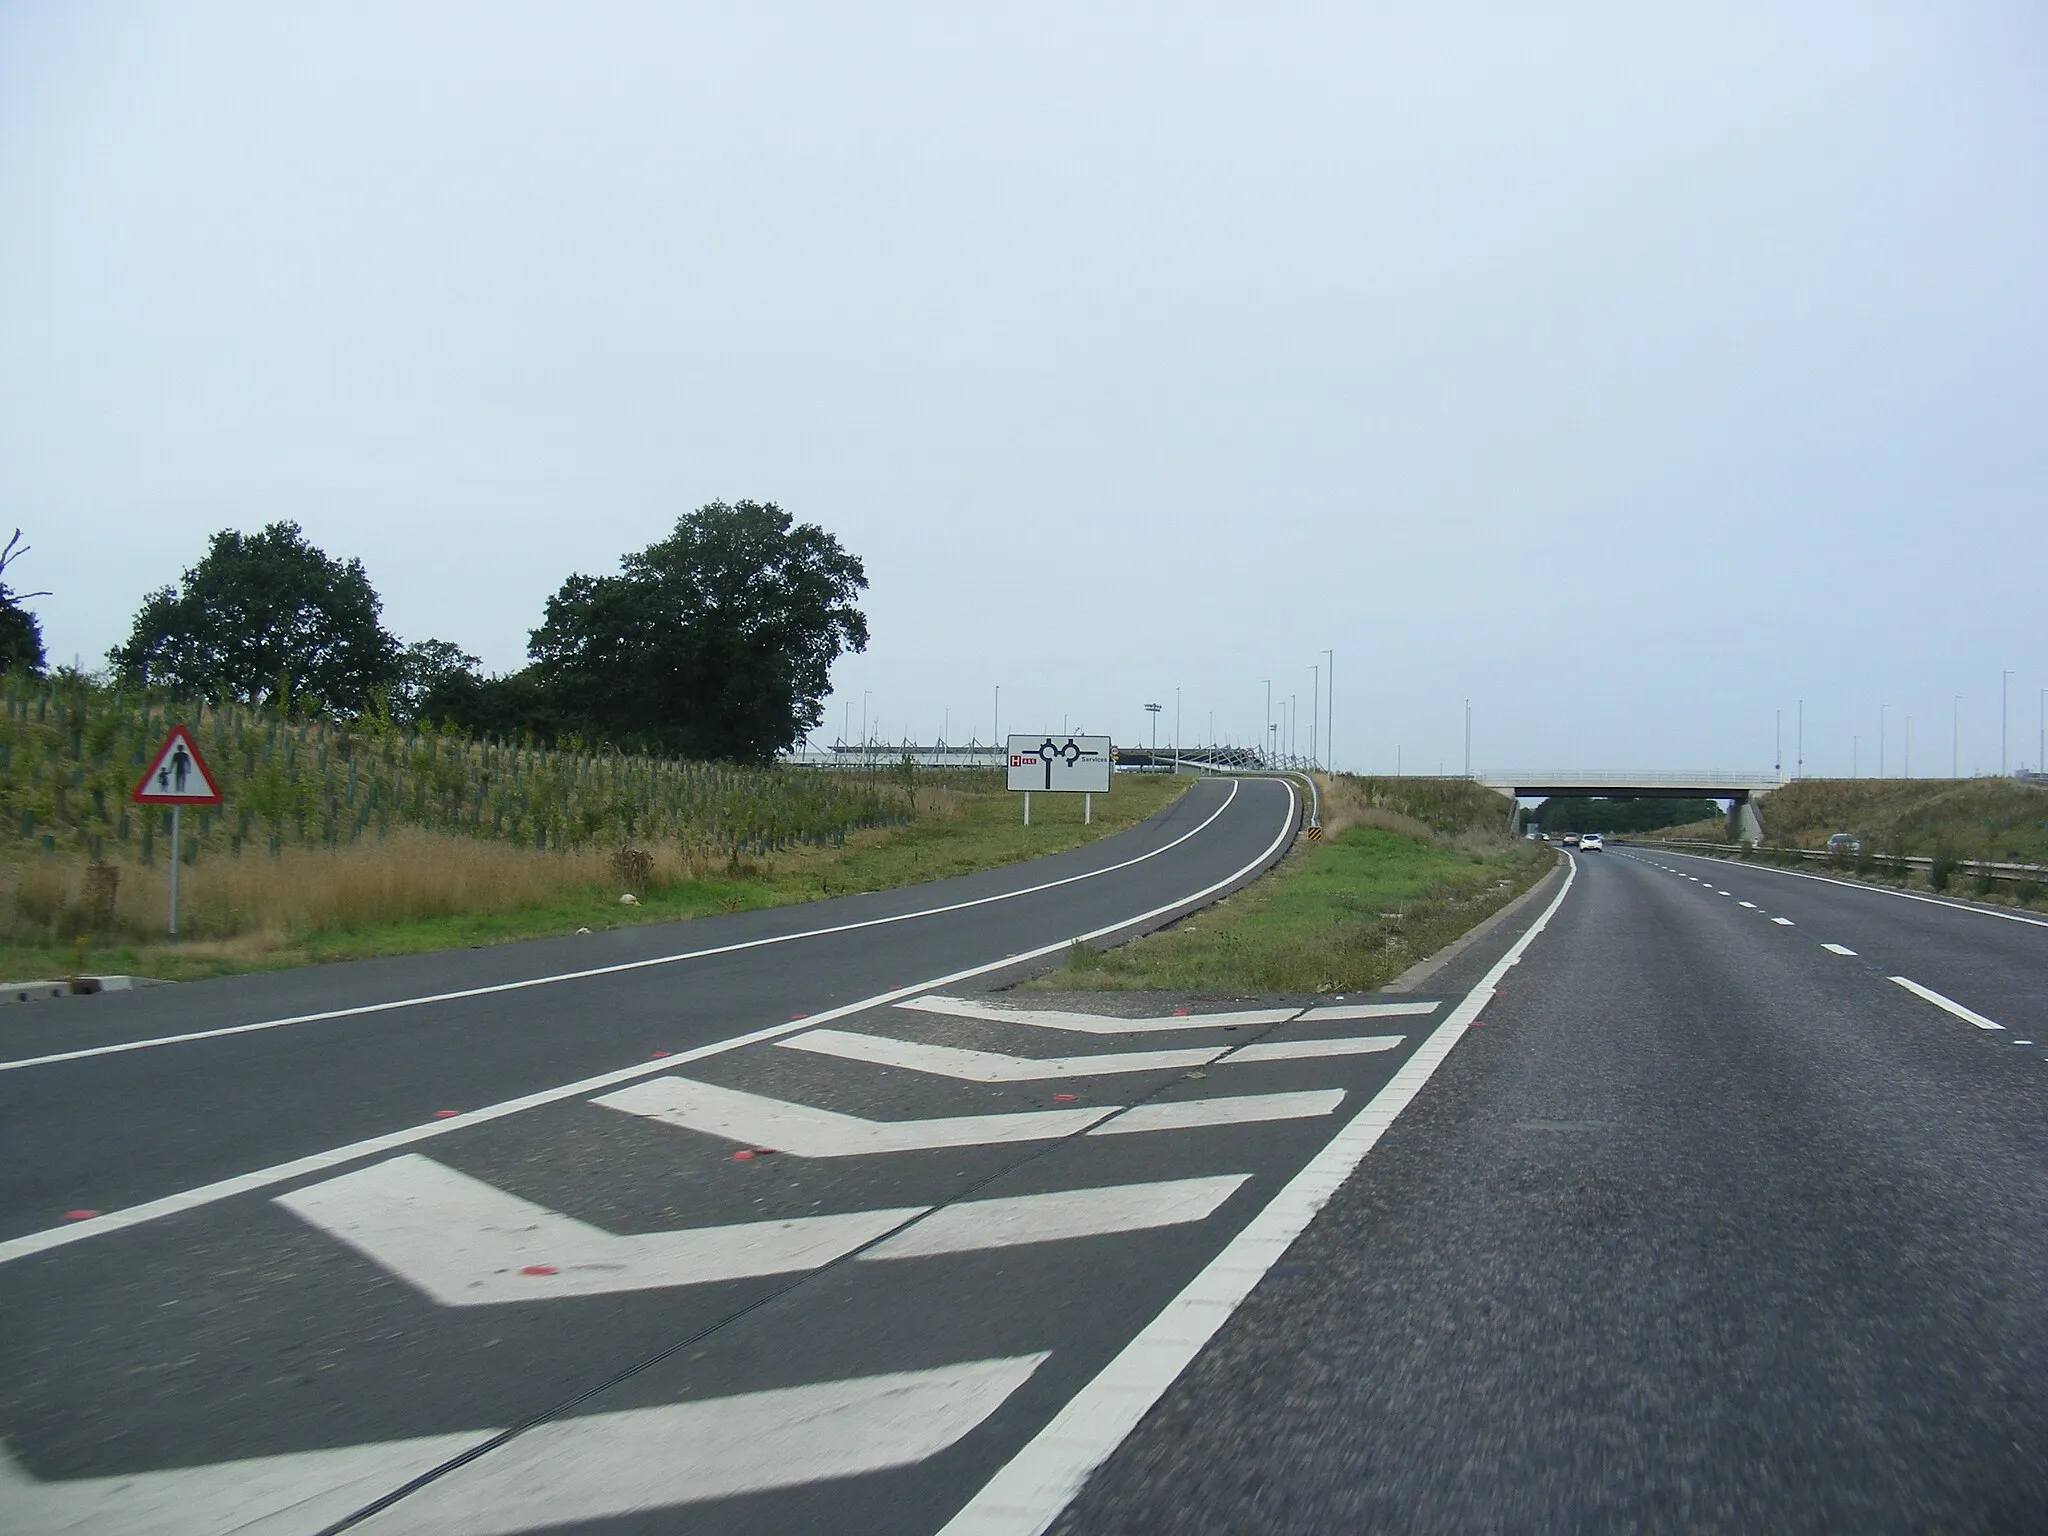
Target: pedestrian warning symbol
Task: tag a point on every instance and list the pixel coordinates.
(178, 776)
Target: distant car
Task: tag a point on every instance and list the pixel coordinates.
(1571, 839)
(1590, 843)
(1845, 842)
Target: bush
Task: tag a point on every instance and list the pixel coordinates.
(1942, 870)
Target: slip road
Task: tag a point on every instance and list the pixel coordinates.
(783, 1222)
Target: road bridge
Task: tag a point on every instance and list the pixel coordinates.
(1740, 790)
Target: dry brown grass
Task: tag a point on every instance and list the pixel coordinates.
(271, 899)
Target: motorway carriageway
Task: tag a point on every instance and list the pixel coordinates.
(804, 1226)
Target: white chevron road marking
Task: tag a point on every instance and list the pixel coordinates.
(1019, 1219)
(1191, 1114)
(1314, 1050)
(1337, 1012)
(797, 1128)
(1095, 1023)
(990, 1066)
(997, 1067)
(466, 1244)
(590, 1468)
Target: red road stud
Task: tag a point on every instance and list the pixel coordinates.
(446, 1114)
(80, 1215)
(1063, 1098)
(741, 1157)
(540, 1269)
(656, 1055)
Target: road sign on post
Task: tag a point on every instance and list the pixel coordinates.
(1074, 765)
(177, 777)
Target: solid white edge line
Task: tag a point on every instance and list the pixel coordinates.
(121, 1046)
(320, 1162)
(1879, 890)
(1947, 1004)
(1029, 1492)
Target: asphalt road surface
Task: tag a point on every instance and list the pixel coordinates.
(1714, 1224)
(787, 1223)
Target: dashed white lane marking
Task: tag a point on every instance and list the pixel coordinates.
(1242, 1110)
(463, 1243)
(1094, 1023)
(1722, 893)
(1784, 922)
(1838, 949)
(595, 1467)
(1016, 1220)
(989, 1066)
(1749, 904)
(756, 1121)
(1947, 1004)
(1311, 1050)
(1335, 1013)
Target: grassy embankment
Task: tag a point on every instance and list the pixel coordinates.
(347, 842)
(1404, 867)
(1999, 820)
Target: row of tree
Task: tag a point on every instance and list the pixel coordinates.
(714, 643)
(1574, 813)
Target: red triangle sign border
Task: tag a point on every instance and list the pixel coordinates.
(163, 792)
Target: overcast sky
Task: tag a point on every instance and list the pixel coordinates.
(1634, 371)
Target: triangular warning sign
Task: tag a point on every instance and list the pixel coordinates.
(178, 776)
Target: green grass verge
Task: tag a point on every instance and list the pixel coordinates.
(1343, 915)
(976, 831)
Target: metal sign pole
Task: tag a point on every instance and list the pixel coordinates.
(1027, 807)
(177, 846)
(1087, 810)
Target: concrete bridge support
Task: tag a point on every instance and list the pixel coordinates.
(1745, 823)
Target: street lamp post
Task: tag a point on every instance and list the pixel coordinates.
(1176, 730)
(2004, 715)
(1468, 738)
(1315, 714)
(1268, 737)
(1330, 714)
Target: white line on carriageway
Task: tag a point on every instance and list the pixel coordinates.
(391, 1141)
(1947, 1004)
(121, 1047)
(969, 1066)
(568, 1470)
(1880, 890)
(464, 1243)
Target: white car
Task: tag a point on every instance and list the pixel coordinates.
(1589, 842)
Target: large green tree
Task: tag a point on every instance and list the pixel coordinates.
(261, 615)
(21, 636)
(716, 642)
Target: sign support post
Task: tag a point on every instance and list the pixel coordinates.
(1027, 807)
(177, 777)
(177, 850)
